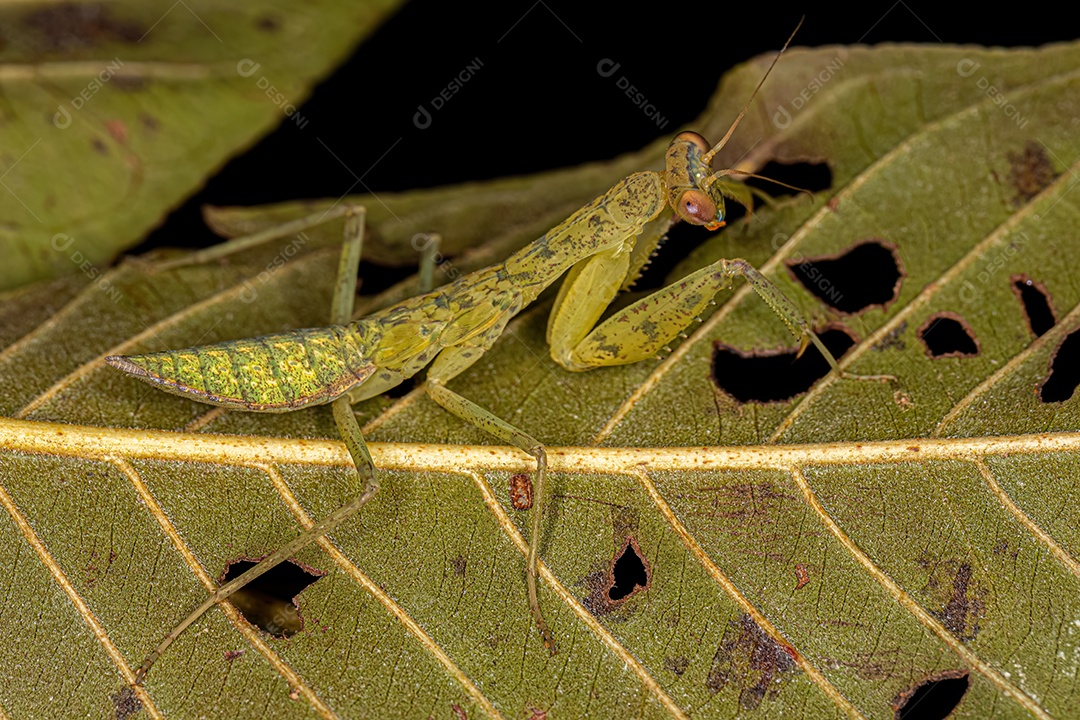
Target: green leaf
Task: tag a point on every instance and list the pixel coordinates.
(822, 555)
(115, 112)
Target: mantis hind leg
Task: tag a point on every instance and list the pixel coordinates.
(341, 310)
(239, 244)
(448, 364)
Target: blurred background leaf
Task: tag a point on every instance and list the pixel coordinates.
(115, 112)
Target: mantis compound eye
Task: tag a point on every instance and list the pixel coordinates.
(697, 208)
(693, 137)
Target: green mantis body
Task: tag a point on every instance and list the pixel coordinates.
(601, 248)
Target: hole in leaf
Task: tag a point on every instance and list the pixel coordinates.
(628, 573)
(947, 334)
(775, 375)
(934, 698)
(814, 177)
(268, 601)
(1064, 371)
(1036, 303)
(864, 276)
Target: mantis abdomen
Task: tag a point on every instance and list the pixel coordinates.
(273, 373)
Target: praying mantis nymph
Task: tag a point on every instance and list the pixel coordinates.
(603, 246)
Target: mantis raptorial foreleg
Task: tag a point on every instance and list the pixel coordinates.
(643, 329)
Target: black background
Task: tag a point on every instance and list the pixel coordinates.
(538, 102)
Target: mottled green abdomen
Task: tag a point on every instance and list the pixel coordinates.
(273, 373)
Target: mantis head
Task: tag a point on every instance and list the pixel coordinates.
(691, 190)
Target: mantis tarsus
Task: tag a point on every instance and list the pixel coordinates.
(603, 246)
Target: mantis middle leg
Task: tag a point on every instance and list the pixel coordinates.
(449, 363)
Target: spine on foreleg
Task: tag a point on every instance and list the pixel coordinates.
(273, 373)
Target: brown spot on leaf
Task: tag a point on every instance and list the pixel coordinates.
(802, 577)
(676, 664)
(903, 400)
(458, 711)
(268, 23)
(1030, 172)
(521, 491)
(118, 130)
(68, 27)
(628, 575)
(459, 563)
(953, 587)
(125, 703)
(960, 610)
(892, 340)
(744, 508)
(751, 661)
